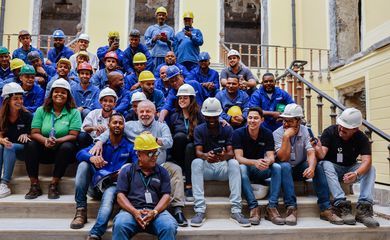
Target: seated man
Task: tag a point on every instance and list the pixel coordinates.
(5, 70)
(83, 44)
(162, 82)
(116, 153)
(43, 72)
(170, 60)
(139, 65)
(209, 78)
(136, 98)
(115, 82)
(113, 46)
(33, 94)
(24, 38)
(254, 150)
(63, 71)
(144, 197)
(100, 78)
(339, 147)
(298, 162)
(214, 152)
(59, 50)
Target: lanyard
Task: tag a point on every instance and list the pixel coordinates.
(293, 141)
(146, 184)
(186, 123)
(52, 120)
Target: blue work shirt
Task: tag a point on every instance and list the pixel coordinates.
(88, 99)
(158, 48)
(211, 76)
(260, 99)
(100, 78)
(6, 73)
(34, 98)
(186, 74)
(203, 137)
(186, 48)
(101, 52)
(123, 102)
(158, 84)
(157, 98)
(54, 56)
(130, 80)
(241, 100)
(22, 54)
(128, 55)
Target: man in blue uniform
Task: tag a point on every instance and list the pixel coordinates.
(21, 53)
(33, 94)
(60, 50)
(209, 78)
(5, 70)
(162, 83)
(113, 46)
(43, 72)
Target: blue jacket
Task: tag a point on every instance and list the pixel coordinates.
(186, 74)
(100, 78)
(241, 100)
(21, 54)
(5, 73)
(187, 49)
(212, 76)
(130, 80)
(87, 99)
(101, 52)
(128, 55)
(34, 98)
(158, 84)
(260, 99)
(53, 56)
(123, 102)
(157, 98)
(159, 48)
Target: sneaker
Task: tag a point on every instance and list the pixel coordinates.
(189, 196)
(4, 190)
(240, 219)
(34, 192)
(198, 219)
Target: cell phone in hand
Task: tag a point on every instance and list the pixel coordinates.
(163, 34)
(218, 150)
(187, 28)
(312, 137)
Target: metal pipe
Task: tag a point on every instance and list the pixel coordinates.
(294, 30)
(2, 21)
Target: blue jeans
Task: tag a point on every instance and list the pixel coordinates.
(251, 173)
(8, 158)
(334, 174)
(164, 226)
(105, 211)
(83, 178)
(289, 174)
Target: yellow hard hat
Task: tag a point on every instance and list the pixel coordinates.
(139, 58)
(16, 63)
(145, 141)
(146, 76)
(161, 10)
(66, 61)
(234, 111)
(113, 34)
(188, 14)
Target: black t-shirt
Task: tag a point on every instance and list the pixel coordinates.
(203, 137)
(351, 149)
(253, 149)
(21, 126)
(177, 122)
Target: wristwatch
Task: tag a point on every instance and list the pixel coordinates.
(357, 174)
(155, 212)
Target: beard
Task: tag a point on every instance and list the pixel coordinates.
(270, 89)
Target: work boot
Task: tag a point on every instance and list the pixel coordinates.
(344, 210)
(53, 192)
(79, 219)
(291, 216)
(254, 216)
(329, 215)
(272, 214)
(34, 192)
(364, 214)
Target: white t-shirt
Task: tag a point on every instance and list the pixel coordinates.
(94, 118)
(93, 60)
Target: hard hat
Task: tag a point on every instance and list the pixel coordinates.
(233, 53)
(60, 83)
(58, 34)
(146, 76)
(4, 50)
(145, 141)
(203, 56)
(27, 70)
(66, 61)
(33, 55)
(16, 63)
(107, 92)
(113, 34)
(161, 10)
(83, 53)
(135, 33)
(188, 14)
(350, 118)
(84, 36)
(139, 58)
(234, 111)
(211, 107)
(186, 90)
(23, 33)
(292, 110)
(111, 54)
(11, 88)
(260, 191)
(172, 71)
(84, 66)
(137, 97)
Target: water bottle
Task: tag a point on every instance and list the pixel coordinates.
(52, 133)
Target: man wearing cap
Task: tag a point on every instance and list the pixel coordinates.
(139, 65)
(233, 96)
(236, 69)
(100, 78)
(135, 47)
(297, 159)
(43, 71)
(82, 44)
(15, 65)
(170, 60)
(162, 82)
(21, 53)
(159, 37)
(209, 78)
(5, 70)
(136, 98)
(113, 46)
(60, 50)
(63, 71)
(339, 147)
(33, 94)
(272, 100)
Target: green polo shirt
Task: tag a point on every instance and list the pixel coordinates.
(63, 123)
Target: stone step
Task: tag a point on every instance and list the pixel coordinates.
(44, 170)
(308, 228)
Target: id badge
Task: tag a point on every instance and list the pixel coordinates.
(292, 156)
(339, 157)
(148, 197)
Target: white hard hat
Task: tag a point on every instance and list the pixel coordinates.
(60, 83)
(11, 88)
(186, 90)
(84, 36)
(138, 96)
(107, 92)
(260, 191)
(233, 53)
(292, 110)
(211, 107)
(350, 118)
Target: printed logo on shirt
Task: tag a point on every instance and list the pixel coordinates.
(65, 123)
(261, 144)
(221, 141)
(20, 126)
(156, 180)
(125, 154)
(279, 98)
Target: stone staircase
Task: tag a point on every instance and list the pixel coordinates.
(42, 218)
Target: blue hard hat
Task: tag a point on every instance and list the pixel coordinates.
(172, 71)
(204, 56)
(58, 34)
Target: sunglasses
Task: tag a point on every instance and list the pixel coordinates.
(153, 154)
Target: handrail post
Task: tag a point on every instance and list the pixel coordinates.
(319, 65)
(311, 65)
(302, 73)
(258, 61)
(290, 84)
(333, 114)
(48, 43)
(249, 56)
(8, 41)
(308, 106)
(283, 83)
(328, 77)
(296, 87)
(276, 62)
(319, 106)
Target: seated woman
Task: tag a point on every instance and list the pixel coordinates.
(54, 131)
(15, 125)
(183, 122)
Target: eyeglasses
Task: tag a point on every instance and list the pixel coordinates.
(153, 154)
(289, 120)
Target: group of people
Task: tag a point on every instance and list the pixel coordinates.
(137, 120)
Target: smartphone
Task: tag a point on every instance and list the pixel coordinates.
(218, 150)
(163, 34)
(187, 28)
(312, 137)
